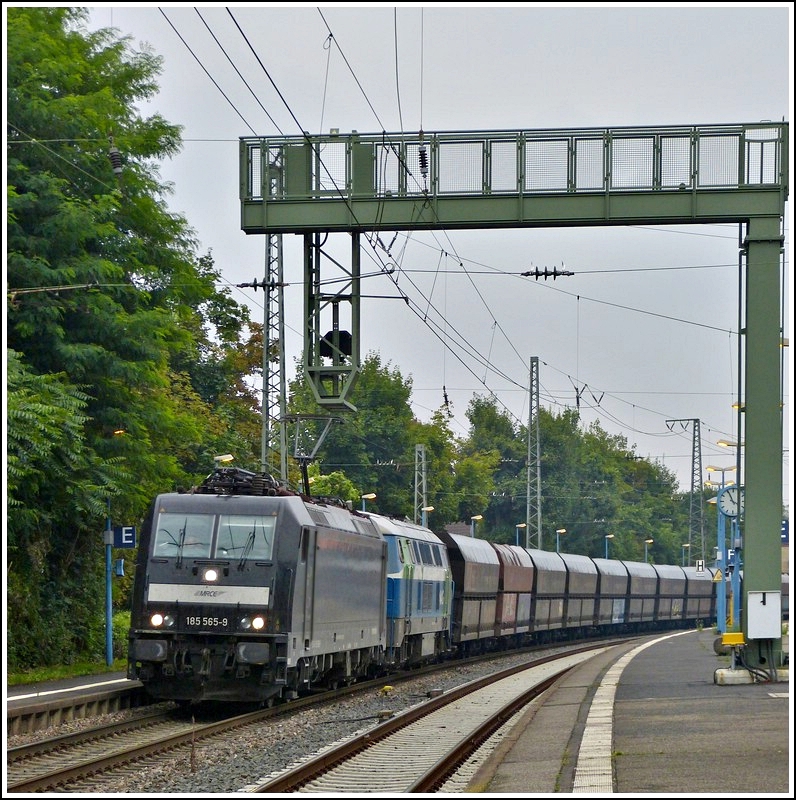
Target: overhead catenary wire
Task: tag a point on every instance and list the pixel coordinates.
(379, 120)
(396, 278)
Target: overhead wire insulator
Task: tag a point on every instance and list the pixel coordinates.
(423, 156)
(423, 153)
(546, 273)
(115, 158)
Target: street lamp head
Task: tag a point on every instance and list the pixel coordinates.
(649, 541)
(561, 530)
(728, 443)
(477, 516)
(427, 508)
(609, 536)
(225, 459)
(712, 468)
(369, 496)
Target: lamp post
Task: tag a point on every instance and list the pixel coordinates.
(473, 520)
(721, 550)
(368, 496)
(424, 518)
(607, 537)
(108, 538)
(685, 547)
(517, 532)
(559, 532)
(647, 542)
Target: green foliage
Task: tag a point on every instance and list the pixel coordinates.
(120, 628)
(335, 485)
(114, 324)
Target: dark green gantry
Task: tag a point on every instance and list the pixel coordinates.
(671, 175)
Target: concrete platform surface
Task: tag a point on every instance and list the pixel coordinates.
(651, 718)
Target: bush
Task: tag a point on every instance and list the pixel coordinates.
(121, 627)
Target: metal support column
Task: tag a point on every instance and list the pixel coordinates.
(762, 468)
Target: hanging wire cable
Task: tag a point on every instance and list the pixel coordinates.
(422, 54)
(423, 315)
(397, 81)
(245, 83)
(223, 94)
(40, 143)
(353, 74)
(327, 45)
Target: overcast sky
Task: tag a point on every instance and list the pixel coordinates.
(643, 332)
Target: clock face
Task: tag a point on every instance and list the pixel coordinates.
(730, 501)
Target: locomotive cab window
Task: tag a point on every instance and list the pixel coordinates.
(425, 553)
(184, 535)
(246, 536)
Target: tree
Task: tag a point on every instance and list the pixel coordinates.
(494, 432)
(117, 322)
(55, 483)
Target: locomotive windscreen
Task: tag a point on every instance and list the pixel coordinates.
(242, 536)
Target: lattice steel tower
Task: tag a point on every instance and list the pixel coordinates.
(274, 403)
(533, 505)
(696, 527)
(420, 483)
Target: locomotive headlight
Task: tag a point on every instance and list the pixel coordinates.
(252, 623)
(158, 620)
(210, 575)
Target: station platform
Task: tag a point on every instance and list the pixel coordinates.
(659, 717)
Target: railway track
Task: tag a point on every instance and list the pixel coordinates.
(430, 741)
(88, 760)
(77, 760)
(67, 760)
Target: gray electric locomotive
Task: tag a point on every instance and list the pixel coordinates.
(245, 591)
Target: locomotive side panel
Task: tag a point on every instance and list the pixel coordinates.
(339, 606)
(419, 592)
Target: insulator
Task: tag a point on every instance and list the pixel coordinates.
(116, 159)
(423, 160)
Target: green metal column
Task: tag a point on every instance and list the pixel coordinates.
(763, 437)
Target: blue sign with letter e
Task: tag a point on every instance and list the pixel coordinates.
(124, 536)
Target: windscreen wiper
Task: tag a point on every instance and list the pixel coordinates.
(181, 544)
(247, 549)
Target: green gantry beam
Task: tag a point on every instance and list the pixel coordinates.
(670, 175)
